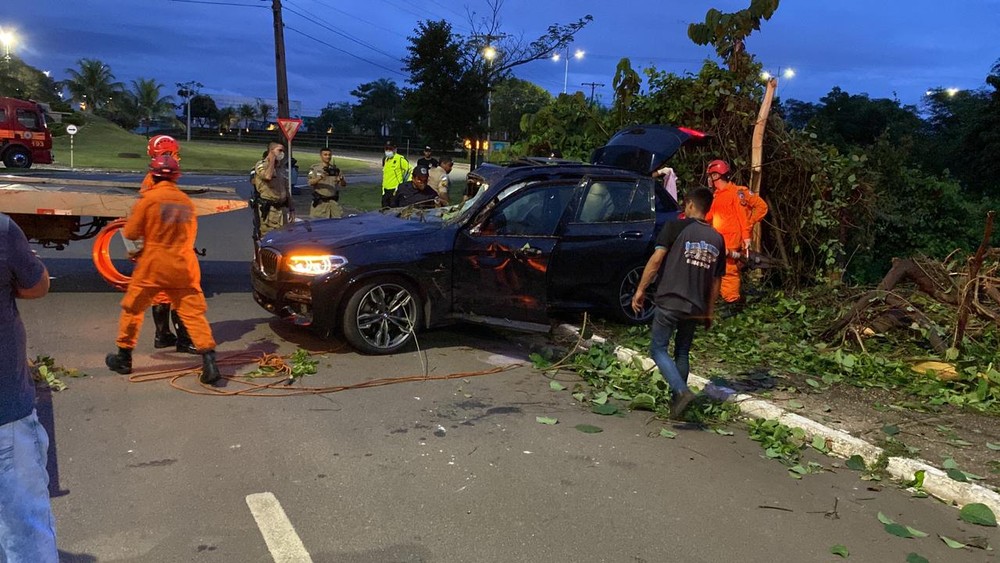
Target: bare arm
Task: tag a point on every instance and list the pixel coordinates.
(652, 266)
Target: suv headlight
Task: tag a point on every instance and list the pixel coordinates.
(313, 264)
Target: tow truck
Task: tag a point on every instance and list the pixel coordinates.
(54, 212)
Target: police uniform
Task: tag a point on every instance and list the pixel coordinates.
(326, 191)
(274, 197)
(438, 179)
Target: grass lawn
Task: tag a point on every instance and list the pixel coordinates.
(102, 144)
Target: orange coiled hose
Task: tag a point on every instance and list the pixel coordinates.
(102, 257)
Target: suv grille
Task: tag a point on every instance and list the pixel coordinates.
(267, 262)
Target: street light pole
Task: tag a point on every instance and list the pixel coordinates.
(578, 55)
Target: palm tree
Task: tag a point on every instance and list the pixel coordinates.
(228, 116)
(246, 112)
(148, 102)
(264, 110)
(93, 84)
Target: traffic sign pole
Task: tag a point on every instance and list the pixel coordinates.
(289, 127)
(71, 129)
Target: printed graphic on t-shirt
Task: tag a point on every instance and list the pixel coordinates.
(700, 254)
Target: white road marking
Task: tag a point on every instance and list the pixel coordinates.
(279, 535)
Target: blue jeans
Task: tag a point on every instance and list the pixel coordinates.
(27, 528)
(675, 370)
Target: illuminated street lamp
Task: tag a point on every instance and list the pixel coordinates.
(7, 38)
(787, 73)
(490, 54)
(577, 55)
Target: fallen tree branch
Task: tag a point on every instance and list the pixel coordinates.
(968, 292)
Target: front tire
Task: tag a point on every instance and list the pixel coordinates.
(626, 289)
(382, 316)
(17, 157)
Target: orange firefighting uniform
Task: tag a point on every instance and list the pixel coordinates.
(735, 210)
(147, 183)
(165, 219)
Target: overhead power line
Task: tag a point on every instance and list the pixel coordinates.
(220, 3)
(343, 34)
(348, 53)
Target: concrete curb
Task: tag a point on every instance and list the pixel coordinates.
(840, 443)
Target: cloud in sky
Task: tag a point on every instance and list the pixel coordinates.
(901, 46)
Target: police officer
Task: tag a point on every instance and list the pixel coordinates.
(326, 181)
(438, 178)
(395, 170)
(415, 192)
(271, 182)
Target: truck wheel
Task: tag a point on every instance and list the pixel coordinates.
(381, 316)
(17, 157)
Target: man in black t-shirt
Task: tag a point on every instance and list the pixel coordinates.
(427, 160)
(692, 254)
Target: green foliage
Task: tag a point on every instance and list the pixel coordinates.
(570, 125)
(378, 105)
(513, 98)
(778, 440)
(45, 370)
(22, 81)
(727, 32)
(782, 332)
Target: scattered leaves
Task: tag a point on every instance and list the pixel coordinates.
(546, 420)
(952, 543)
(979, 514)
(556, 386)
(840, 550)
(589, 428)
(855, 462)
(664, 433)
(916, 558)
(604, 409)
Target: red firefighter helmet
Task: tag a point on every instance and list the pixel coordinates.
(163, 144)
(718, 166)
(165, 166)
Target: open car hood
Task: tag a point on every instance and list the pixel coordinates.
(644, 148)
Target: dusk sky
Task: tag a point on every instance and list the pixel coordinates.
(884, 48)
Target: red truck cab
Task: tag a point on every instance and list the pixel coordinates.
(25, 138)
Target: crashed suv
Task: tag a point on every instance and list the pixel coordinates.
(538, 237)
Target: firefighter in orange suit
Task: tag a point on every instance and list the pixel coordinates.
(165, 220)
(735, 210)
(162, 316)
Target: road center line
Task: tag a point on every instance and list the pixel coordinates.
(279, 535)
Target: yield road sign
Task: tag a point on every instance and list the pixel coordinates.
(289, 126)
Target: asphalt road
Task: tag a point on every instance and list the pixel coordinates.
(454, 470)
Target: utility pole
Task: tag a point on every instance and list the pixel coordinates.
(279, 59)
(593, 86)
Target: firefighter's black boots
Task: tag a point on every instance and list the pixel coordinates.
(120, 362)
(209, 371)
(161, 318)
(184, 343)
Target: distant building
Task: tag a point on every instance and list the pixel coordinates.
(233, 101)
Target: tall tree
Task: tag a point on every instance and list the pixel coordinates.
(228, 116)
(264, 110)
(337, 117)
(443, 103)
(92, 84)
(148, 102)
(377, 109)
(204, 112)
(247, 113)
(512, 99)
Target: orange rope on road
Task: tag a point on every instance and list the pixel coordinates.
(282, 375)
